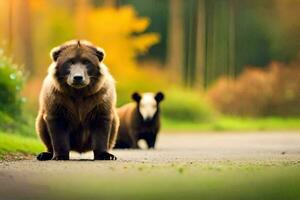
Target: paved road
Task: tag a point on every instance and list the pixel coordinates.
(210, 148)
(173, 148)
(219, 147)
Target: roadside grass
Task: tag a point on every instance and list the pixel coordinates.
(11, 143)
(234, 124)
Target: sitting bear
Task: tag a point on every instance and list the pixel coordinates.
(77, 103)
(139, 120)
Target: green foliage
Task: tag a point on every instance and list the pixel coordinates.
(18, 124)
(158, 12)
(11, 116)
(185, 106)
(11, 81)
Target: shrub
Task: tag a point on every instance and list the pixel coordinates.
(11, 81)
(285, 99)
(259, 92)
(185, 106)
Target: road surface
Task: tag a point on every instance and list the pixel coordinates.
(31, 179)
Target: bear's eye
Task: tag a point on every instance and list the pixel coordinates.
(86, 62)
(71, 62)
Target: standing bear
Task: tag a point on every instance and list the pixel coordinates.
(139, 120)
(77, 103)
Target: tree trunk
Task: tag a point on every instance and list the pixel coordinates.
(175, 37)
(25, 33)
(200, 44)
(231, 28)
(10, 26)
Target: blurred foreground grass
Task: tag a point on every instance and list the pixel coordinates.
(243, 181)
(203, 184)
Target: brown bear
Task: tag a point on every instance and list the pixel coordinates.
(77, 103)
(139, 120)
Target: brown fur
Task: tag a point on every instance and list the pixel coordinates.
(133, 127)
(77, 119)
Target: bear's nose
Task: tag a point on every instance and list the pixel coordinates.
(78, 78)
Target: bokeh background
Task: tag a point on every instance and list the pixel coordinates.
(222, 64)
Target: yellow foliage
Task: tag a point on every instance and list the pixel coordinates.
(143, 42)
(37, 5)
(119, 32)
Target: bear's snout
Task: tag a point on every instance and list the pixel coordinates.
(78, 78)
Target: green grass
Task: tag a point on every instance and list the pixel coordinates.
(10, 143)
(180, 181)
(235, 124)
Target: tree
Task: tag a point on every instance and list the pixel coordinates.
(200, 43)
(25, 34)
(175, 37)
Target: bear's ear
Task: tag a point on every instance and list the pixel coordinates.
(159, 97)
(136, 97)
(100, 53)
(54, 53)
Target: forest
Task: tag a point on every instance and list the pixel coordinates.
(232, 61)
(225, 124)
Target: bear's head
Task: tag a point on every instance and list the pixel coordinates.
(77, 64)
(148, 104)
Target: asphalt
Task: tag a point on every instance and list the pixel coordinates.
(20, 177)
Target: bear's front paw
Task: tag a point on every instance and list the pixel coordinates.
(44, 156)
(105, 156)
(61, 157)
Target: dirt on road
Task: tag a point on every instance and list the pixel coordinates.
(31, 179)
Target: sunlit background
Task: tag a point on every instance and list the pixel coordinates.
(222, 64)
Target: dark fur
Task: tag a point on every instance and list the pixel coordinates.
(77, 119)
(132, 126)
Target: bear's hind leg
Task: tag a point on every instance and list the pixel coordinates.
(151, 140)
(42, 131)
(44, 156)
(100, 133)
(59, 129)
(114, 131)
